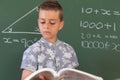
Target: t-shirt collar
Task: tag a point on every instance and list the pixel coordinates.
(49, 43)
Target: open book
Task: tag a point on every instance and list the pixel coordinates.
(65, 74)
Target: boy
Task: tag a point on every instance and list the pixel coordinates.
(49, 51)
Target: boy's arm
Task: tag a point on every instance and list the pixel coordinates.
(25, 73)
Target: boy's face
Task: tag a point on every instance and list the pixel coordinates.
(49, 24)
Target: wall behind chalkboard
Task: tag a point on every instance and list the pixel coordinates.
(91, 27)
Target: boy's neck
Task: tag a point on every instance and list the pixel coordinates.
(51, 40)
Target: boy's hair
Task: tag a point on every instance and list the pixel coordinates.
(51, 5)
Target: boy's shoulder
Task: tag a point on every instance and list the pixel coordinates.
(65, 44)
(36, 44)
(33, 46)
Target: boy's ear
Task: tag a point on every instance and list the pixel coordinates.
(61, 25)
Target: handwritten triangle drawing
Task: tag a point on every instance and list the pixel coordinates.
(24, 23)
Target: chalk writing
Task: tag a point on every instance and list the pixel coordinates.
(24, 41)
(27, 43)
(105, 12)
(98, 25)
(89, 36)
(95, 44)
(9, 29)
(7, 40)
(98, 36)
(105, 35)
(116, 47)
(100, 45)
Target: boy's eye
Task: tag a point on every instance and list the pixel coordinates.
(42, 22)
(52, 22)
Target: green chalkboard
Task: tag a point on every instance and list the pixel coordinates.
(92, 27)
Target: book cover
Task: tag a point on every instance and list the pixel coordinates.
(64, 74)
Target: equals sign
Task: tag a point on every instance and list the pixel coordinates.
(16, 40)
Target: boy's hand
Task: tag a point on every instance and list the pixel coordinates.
(42, 77)
(62, 79)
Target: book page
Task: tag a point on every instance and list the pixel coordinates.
(78, 75)
(47, 74)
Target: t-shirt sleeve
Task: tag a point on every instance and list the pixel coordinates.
(72, 57)
(29, 60)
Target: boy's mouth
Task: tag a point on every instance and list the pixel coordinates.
(46, 32)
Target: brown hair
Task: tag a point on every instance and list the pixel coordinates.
(51, 5)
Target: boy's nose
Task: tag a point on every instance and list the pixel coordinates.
(46, 26)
